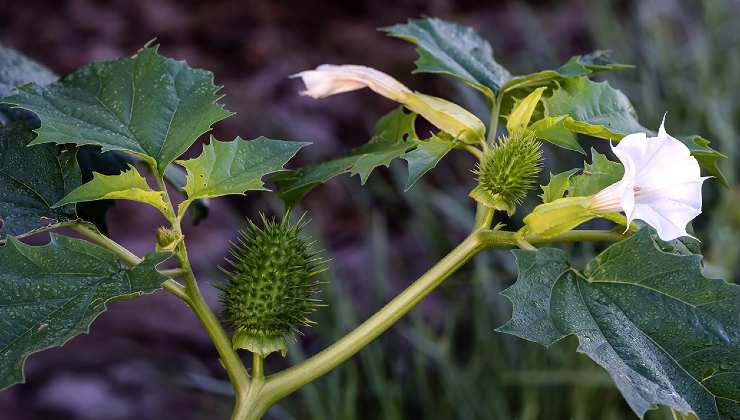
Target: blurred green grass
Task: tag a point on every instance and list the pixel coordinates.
(444, 361)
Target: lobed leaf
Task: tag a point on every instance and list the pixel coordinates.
(455, 50)
(557, 186)
(425, 157)
(235, 167)
(32, 179)
(147, 105)
(554, 131)
(394, 135)
(576, 66)
(665, 333)
(596, 176)
(52, 293)
(128, 185)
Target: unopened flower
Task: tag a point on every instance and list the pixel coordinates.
(661, 184)
(328, 79)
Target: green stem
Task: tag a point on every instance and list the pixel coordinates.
(291, 379)
(493, 126)
(229, 358)
(92, 234)
(483, 216)
(497, 238)
(258, 370)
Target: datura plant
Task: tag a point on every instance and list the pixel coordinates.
(642, 309)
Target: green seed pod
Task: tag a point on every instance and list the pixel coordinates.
(270, 288)
(508, 170)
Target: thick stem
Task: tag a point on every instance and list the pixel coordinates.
(262, 394)
(289, 380)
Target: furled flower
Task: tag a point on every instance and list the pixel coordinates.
(661, 184)
(329, 79)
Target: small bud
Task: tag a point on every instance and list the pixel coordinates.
(271, 287)
(557, 217)
(508, 171)
(167, 239)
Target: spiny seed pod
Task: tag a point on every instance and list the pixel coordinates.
(508, 170)
(270, 288)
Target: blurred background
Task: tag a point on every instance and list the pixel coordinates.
(149, 359)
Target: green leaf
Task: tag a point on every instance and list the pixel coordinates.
(593, 108)
(17, 69)
(596, 176)
(425, 157)
(376, 153)
(598, 110)
(393, 135)
(707, 157)
(396, 126)
(148, 105)
(293, 185)
(557, 186)
(32, 179)
(665, 333)
(454, 50)
(52, 293)
(522, 112)
(235, 167)
(553, 130)
(579, 65)
(128, 185)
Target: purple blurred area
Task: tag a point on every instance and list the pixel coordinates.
(141, 356)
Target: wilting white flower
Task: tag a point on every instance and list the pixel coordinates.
(661, 184)
(329, 79)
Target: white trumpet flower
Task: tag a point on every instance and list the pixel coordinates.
(661, 184)
(329, 79)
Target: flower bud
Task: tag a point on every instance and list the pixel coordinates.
(167, 239)
(270, 289)
(508, 170)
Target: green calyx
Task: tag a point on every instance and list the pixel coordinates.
(270, 288)
(508, 170)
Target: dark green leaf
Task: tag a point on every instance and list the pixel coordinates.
(557, 186)
(596, 176)
(148, 105)
(393, 136)
(32, 179)
(579, 65)
(17, 69)
(665, 333)
(593, 108)
(293, 185)
(425, 157)
(52, 293)
(454, 50)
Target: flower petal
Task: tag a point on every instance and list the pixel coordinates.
(329, 79)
